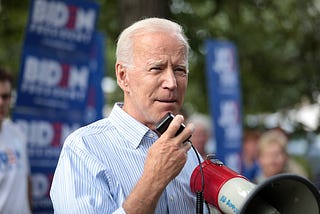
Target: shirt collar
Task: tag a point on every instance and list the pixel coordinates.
(131, 129)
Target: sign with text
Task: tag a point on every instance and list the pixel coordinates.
(45, 138)
(225, 100)
(68, 25)
(50, 81)
(59, 86)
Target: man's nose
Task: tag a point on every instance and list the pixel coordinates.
(170, 80)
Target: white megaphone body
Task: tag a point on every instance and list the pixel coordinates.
(232, 193)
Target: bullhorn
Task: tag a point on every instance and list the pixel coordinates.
(232, 193)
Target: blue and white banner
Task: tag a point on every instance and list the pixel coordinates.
(68, 25)
(225, 100)
(45, 139)
(53, 82)
(59, 86)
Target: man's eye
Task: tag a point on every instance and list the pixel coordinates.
(180, 72)
(156, 69)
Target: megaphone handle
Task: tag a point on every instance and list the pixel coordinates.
(199, 208)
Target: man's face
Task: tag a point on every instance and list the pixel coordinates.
(5, 95)
(157, 81)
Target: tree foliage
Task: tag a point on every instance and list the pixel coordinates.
(277, 43)
(13, 18)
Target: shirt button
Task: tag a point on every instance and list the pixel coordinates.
(171, 198)
(151, 135)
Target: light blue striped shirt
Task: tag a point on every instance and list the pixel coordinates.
(100, 164)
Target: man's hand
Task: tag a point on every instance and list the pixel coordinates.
(164, 161)
(168, 155)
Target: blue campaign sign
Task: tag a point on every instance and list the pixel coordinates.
(47, 117)
(45, 138)
(57, 80)
(48, 80)
(59, 86)
(225, 100)
(62, 24)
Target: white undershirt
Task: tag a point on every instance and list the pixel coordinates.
(14, 170)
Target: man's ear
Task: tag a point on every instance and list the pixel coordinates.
(121, 73)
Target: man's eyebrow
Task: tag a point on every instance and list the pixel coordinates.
(155, 62)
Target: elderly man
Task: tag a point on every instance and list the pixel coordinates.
(119, 164)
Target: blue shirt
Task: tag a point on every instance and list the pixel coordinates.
(250, 172)
(100, 164)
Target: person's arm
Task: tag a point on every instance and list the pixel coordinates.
(165, 159)
(77, 187)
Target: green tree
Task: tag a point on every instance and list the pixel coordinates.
(13, 18)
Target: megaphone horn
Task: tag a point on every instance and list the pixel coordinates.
(232, 193)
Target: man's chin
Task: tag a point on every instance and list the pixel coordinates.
(174, 109)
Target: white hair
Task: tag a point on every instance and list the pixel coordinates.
(203, 120)
(124, 52)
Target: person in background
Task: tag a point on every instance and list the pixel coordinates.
(15, 186)
(202, 133)
(202, 140)
(292, 165)
(249, 163)
(272, 155)
(119, 164)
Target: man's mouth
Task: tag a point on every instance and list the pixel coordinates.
(167, 101)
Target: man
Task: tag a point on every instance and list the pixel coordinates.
(202, 135)
(119, 164)
(249, 161)
(14, 166)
